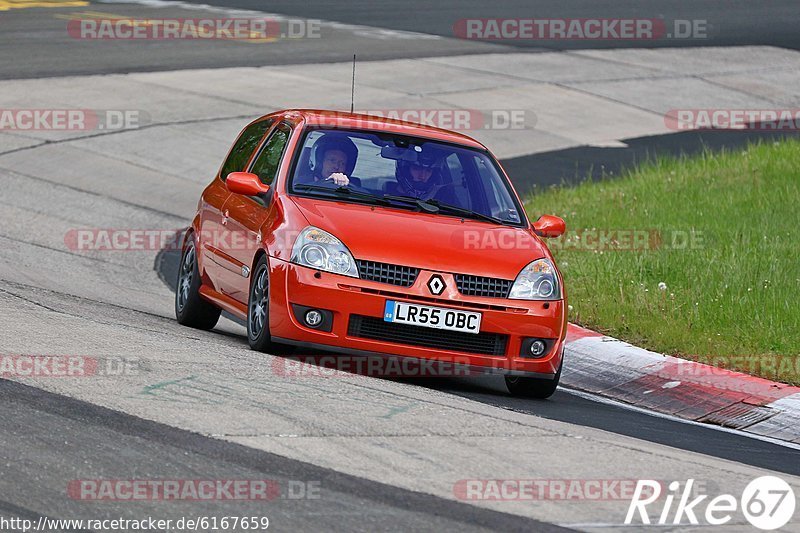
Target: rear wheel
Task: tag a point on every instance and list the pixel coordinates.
(258, 309)
(190, 309)
(533, 387)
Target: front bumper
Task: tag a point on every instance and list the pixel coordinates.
(349, 298)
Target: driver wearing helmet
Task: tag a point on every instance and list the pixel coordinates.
(422, 177)
(334, 158)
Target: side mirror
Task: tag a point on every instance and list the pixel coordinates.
(245, 183)
(549, 226)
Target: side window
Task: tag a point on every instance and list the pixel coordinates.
(243, 147)
(268, 161)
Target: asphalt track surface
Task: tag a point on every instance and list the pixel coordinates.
(731, 23)
(52, 429)
(34, 43)
(52, 433)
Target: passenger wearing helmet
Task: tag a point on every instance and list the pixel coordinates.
(334, 158)
(421, 177)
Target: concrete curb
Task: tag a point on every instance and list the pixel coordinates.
(702, 393)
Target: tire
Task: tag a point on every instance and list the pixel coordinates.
(258, 335)
(190, 309)
(533, 387)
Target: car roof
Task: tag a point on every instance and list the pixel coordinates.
(357, 121)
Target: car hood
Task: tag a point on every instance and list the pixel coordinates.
(422, 240)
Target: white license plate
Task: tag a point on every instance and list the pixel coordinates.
(432, 317)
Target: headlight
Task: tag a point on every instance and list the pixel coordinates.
(320, 250)
(537, 281)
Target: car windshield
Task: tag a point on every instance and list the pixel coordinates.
(405, 172)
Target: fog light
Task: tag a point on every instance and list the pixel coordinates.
(313, 318)
(537, 348)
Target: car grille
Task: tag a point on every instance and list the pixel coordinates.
(368, 327)
(480, 286)
(385, 273)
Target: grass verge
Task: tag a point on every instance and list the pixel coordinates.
(696, 257)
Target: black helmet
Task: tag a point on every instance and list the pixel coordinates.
(425, 157)
(332, 141)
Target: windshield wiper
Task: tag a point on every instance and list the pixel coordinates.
(426, 206)
(434, 206)
(342, 190)
(468, 213)
(386, 199)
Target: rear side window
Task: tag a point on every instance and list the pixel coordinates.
(268, 161)
(244, 146)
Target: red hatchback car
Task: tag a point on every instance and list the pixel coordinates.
(369, 236)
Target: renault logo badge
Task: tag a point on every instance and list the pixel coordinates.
(436, 285)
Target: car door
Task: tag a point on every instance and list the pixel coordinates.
(248, 215)
(212, 241)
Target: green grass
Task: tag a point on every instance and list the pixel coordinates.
(732, 299)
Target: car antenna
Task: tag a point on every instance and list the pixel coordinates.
(353, 84)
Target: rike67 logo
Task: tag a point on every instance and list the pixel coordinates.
(767, 502)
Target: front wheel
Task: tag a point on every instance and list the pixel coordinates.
(258, 309)
(190, 309)
(533, 387)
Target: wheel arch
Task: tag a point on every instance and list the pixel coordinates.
(187, 233)
(261, 252)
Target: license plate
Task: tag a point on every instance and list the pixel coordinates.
(432, 317)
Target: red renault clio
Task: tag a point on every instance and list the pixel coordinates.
(370, 236)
